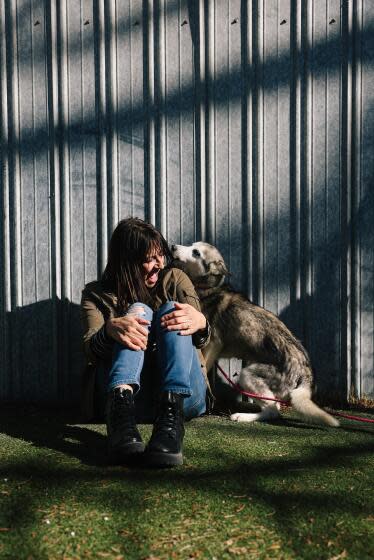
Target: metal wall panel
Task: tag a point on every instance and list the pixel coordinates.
(244, 123)
(363, 207)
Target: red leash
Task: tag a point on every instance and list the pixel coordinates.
(253, 395)
(286, 403)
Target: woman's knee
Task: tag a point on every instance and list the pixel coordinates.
(141, 310)
(166, 308)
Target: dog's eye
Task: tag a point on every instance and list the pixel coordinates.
(196, 253)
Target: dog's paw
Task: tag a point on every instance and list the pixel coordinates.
(244, 417)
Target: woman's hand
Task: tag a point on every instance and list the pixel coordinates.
(185, 319)
(129, 331)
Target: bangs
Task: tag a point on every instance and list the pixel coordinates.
(147, 246)
(155, 247)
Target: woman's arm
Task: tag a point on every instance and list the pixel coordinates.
(97, 343)
(101, 328)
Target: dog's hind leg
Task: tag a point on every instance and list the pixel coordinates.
(268, 412)
(308, 410)
(250, 382)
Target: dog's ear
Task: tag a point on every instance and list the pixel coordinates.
(218, 268)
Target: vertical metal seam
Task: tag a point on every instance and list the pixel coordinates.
(151, 129)
(249, 133)
(16, 277)
(15, 214)
(342, 223)
(112, 107)
(65, 178)
(295, 143)
(308, 163)
(297, 178)
(356, 198)
(200, 53)
(102, 135)
(163, 118)
(133, 181)
(4, 146)
(54, 177)
(260, 155)
(33, 159)
(180, 122)
(55, 190)
(210, 131)
(229, 159)
(5, 296)
(277, 160)
(195, 128)
(64, 169)
(326, 133)
(348, 167)
(84, 184)
(246, 146)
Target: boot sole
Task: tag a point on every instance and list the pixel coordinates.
(128, 453)
(159, 459)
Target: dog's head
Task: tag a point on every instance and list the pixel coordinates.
(202, 262)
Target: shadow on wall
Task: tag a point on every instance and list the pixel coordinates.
(43, 339)
(321, 321)
(44, 348)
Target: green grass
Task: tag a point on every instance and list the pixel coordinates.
(262, 491)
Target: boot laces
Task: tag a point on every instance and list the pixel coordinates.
(168, 420)
(123, 413)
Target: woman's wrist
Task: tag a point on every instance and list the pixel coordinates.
(203, 330)
(204, 324)
(200, 338)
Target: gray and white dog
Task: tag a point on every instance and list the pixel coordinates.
(275, 364)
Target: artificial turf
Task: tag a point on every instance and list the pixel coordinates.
(259, 491)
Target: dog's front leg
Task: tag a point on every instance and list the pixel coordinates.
(211, 353)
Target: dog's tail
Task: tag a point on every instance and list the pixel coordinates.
(303, 404)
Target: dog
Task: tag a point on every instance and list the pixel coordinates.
(275, 364)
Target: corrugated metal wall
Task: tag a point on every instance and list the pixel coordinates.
(247, 124)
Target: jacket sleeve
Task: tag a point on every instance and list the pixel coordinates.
(186, 293)
(96, 343)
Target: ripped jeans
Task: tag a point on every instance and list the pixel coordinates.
(176, 362)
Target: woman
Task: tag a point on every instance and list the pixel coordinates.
(142, 326)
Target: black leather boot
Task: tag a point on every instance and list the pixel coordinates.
(124, 439)
(165, 446)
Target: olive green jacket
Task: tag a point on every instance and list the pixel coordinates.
(97, 306)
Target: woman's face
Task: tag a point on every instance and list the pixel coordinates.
(152, 266)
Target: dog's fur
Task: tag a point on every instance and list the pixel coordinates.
(275, 364)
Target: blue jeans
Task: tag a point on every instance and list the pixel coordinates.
(178, 368)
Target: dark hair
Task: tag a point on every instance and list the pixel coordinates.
(131, 243)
